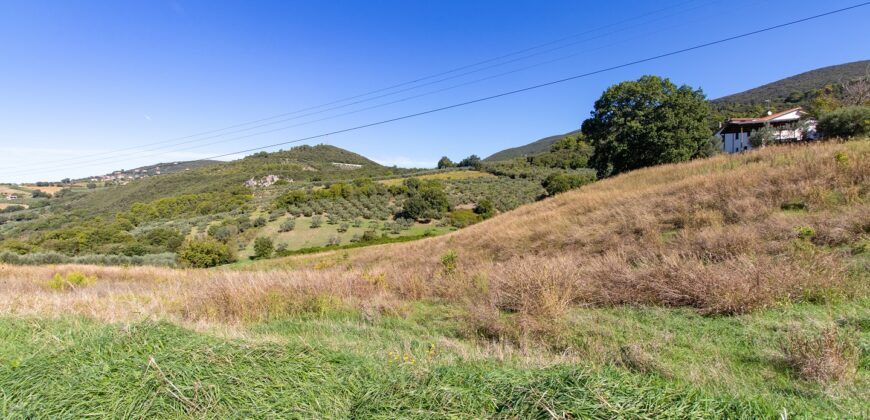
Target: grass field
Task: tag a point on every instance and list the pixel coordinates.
(6, 189)
(303, 236)
(442, 176)
(334, 362)
(669, 292)
(49, 189)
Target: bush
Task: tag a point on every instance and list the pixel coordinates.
(316, 221)
(828, 357)
(461, 218)
(560, 182)
(287, 225)
(204, 253)
(485, 209)
(449, 262)
(846, 122)
(73, 280)
(263, 248)
(40, 194)
(369, 235)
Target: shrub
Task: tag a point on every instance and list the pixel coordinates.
(40, 194)
(204, 253)
(287, 225)
(846, 122)
(316, 221)
(461, 218)
(343, 227)
(275, 214)
(259, 222)
(221, 233)
(449, 262)
(485, 209)
(369, 235)
(561, 182)
(72, 281)
(806, 232)
(334, 240)
(829, 356)
(263, 248)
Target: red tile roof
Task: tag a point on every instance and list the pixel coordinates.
(763, 119)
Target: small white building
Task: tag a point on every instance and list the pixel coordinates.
(789, 125)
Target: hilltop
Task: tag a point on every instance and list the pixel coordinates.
(302, 163)
(163, 168)
(609, 300)
(795, 88)
(534, 148)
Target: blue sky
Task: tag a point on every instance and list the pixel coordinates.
(81, 80)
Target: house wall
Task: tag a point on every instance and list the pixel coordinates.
(736, 142)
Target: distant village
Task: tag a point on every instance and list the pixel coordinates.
(122, 177)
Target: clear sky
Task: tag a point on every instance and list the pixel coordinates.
(81, 80)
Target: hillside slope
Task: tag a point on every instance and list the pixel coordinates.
(780, 90)
(596, 303)
(534, 148)
(651, 236)
(302, 163)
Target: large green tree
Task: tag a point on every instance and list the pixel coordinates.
(647, 122)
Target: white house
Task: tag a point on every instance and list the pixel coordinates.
(789, 125)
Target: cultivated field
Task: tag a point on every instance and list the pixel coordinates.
(443, 176)
(730, 287)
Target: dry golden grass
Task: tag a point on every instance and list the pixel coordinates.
(831, 356)
(710, 235)
(46, 189)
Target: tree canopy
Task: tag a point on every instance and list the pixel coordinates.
(647, 122)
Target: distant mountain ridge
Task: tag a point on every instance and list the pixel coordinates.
(795, 87)
(163, 168)
(534, 148)
(784, 93)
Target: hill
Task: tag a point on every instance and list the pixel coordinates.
(305, 198)
(534, 148)
(795, 88)
(163, 168)
(611, 300)
(302, 163)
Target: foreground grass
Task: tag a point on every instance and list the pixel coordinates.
(344, 364)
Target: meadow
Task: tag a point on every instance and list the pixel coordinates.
(735, 286)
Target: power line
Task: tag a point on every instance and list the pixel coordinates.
(157, 151)
(135, 149)
(551, 83)
(542, 85)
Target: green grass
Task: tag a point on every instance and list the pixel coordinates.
(442, 176)
(303, 236)
(341, 364)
